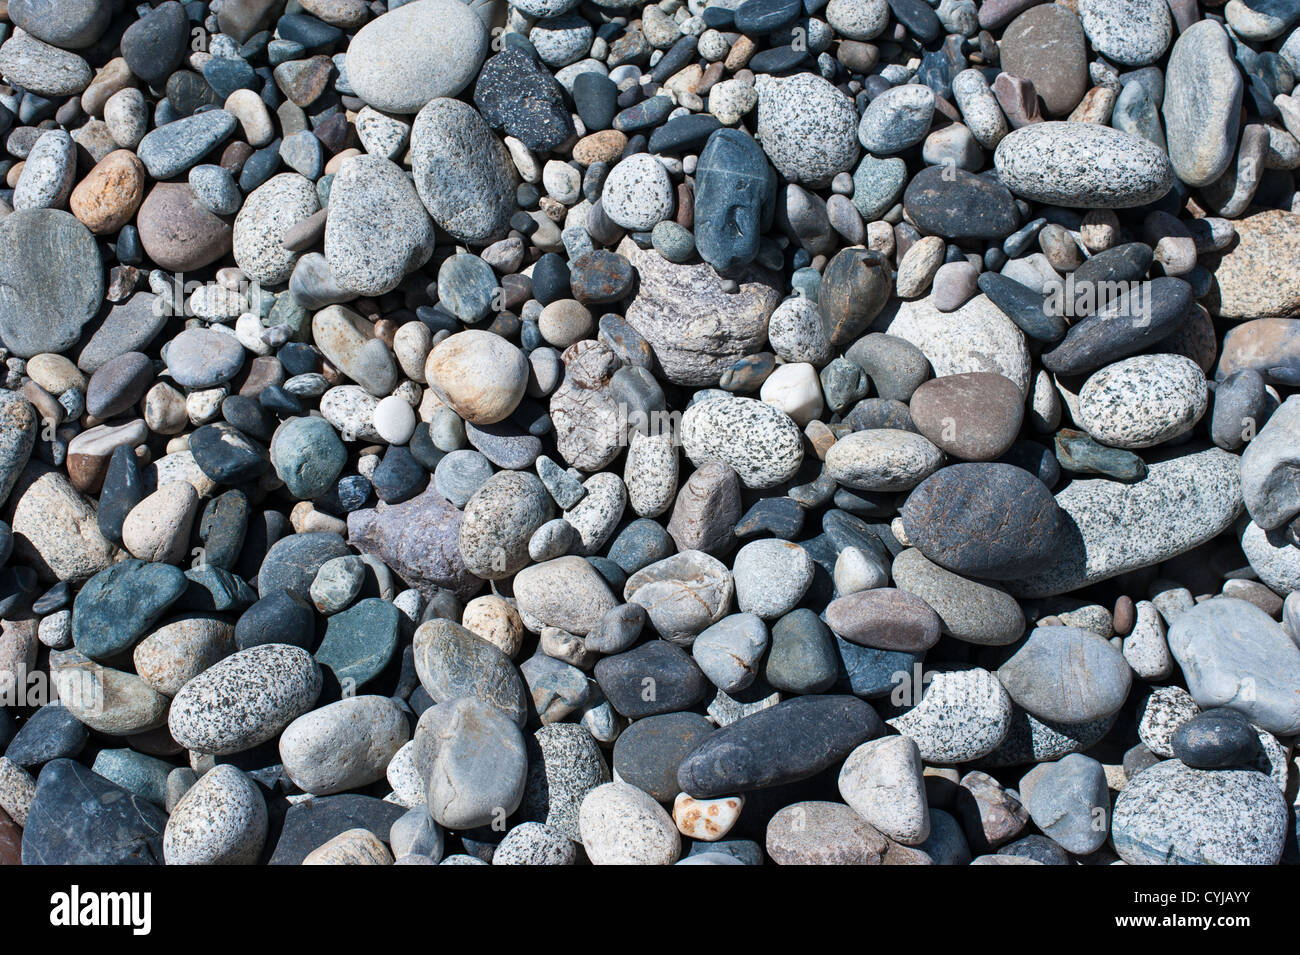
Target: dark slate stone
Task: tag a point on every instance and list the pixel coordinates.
(1121, 263)
(359, 642)
(550, 278)
(120, 604)
(677, 684)
(399, 477)
(920, 20)
(1078, 453)
(423, 449)
(1035, 458)
(154, 45)
(956, 204)
(872, 413)
(600, 277)
(679, 55)
(1217, 739)
(761, 17)
(222, 527)
(735, 199)
(227, 455)
(1241, 408)
(51, 732)
(310, 824)
(211, 589)
(596, 97)
(648, 753)
(291, 562)
(871, 673)
(226, 74)
(80, 818)
(640, 544)
(53, 279)
(780, 60)
(684, 134)
(1027, 308)
(279, 617)
(308, 31)
(187, 91)
(1139, 316)
(248, 415)
(991, 521)
(53, 600)
(785, 743)
(779, 516)
(802, 658)
(519, 96)
(644, 115)
(855, 286)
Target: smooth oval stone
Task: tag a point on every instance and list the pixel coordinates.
(53, 732)
(656, 677)
(53, 278)
(759, 442)
(993, 521)
(416, 52)
(974, 416)
(566, 592)
(1216, 739)
(1067, 675)
(975, 337)
(784, 743)
(279, 617)
(292, 562)
(802, 658)
(1234, 654)
(220, 820)
(307, 456)
(1045, 45)
(244, 700)
(1202, 103)
(823, 833)
(1082, 165)
(648, 753)
(1172, 813)
(462, 172)
(344, 745)
(453, 662)
(886, 619)
(1184, 500)
(735, 197)
(118, 606)
(882, 459)
(958, 205)
(1142, 401)
(1127, 321)
(201, 358)
(968, 610)
(474, 761)
(854, 288)
(78, 817)
(1065, 798)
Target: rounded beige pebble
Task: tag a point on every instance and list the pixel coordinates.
(221, 820)
(496, 621)
(480, 375)
(621, 825)
(158, 528)
(354, 847)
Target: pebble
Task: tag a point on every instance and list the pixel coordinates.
(1174, 813)
(328, 327)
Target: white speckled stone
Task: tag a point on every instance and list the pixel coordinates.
(621, 825)
(1143, 401)
(221, 820)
